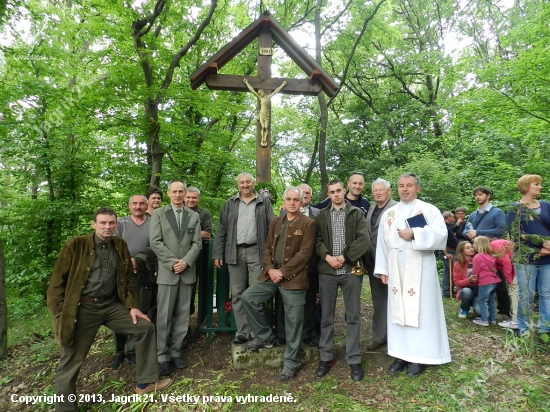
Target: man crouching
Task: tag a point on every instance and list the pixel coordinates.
(289, 245)
(93, 284)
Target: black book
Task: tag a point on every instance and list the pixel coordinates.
(416, 221)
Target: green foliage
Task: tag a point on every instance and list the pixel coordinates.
(75, 133)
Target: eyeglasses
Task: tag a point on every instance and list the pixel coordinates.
(357, 173)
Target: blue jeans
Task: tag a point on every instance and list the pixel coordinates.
(446, 283)
(487, 295)
(469, 297)
(533, 278)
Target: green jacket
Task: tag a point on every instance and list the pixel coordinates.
(357, 239)
(71, 273)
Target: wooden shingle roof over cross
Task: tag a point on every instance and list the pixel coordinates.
(265, 26)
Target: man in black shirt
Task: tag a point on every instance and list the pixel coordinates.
(448, 256)
(356, 184)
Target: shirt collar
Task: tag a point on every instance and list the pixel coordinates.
(333, 209)
(99, 243)
(254, 198)
(175, 208)
(486, 209)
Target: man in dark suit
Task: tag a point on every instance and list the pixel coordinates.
(175, 237)
(381, 192)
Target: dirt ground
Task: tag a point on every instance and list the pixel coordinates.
(31, 366)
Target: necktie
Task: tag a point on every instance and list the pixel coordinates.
(178, 218)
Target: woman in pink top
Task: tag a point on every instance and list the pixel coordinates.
(463, 279)
(484, 266)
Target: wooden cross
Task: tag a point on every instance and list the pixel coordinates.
(267, 30)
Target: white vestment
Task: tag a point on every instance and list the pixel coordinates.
(417, 331)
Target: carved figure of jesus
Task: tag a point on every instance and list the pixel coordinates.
(264, 113)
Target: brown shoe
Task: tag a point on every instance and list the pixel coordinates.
(373, 345)
(155, 386)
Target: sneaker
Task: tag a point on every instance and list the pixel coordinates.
(481, 322)
(324, 367)
(356, 373)
(463, 314)
(508, 324)
(256, 344)
(287, 374)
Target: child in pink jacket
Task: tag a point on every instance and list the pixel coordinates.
(484, 266)
(504, 250)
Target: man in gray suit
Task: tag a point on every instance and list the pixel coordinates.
(175, 237)
(381, 192)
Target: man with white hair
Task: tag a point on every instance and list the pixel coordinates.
(240, 239)
(289, 245)
(381, 192)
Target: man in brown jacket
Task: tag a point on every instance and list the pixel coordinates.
(91, 285)
(288, 248)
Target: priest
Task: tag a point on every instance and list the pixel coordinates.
(408, 235)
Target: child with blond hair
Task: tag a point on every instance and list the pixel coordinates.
(484, 266)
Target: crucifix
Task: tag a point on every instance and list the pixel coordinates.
(264, 111)
(268, 31)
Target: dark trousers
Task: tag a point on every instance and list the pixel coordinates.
(351, 291)
(503, 299)
(89, 318)
(126, 344)
(379, 292)
(310, 309)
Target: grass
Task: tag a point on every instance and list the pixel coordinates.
(491, 371)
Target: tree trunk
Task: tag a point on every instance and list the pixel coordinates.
(156, 155)
(323, 119)
(3, 308)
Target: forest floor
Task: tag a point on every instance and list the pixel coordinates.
(492, 370)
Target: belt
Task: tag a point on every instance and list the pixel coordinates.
(246, 245)
(91, 299)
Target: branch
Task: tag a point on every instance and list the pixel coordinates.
(357, 41)
(148, 21)
(398, 77)
(522, 109)
(336, 18)
(183, 51)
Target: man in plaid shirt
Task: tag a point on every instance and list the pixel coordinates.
(342, 240)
